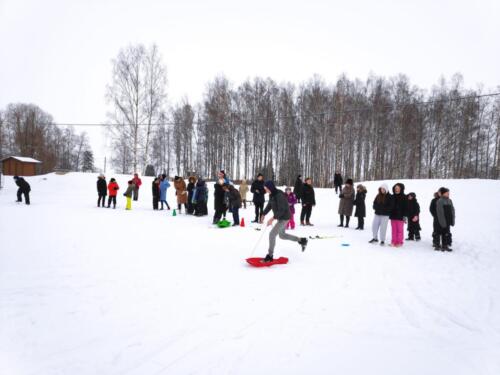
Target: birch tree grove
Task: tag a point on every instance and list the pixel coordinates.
(380, 128)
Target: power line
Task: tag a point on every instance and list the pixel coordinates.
(285, 117)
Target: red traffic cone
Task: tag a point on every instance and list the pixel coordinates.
(242, 222)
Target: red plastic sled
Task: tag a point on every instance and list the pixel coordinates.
(258, 262)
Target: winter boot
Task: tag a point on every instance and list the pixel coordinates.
(373, 240)
(302, 222)
(309, 224)
(347, 218)
(341, 221)
(303, 243)
(382, 243)
(267, 259)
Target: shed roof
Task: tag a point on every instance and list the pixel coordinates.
(22, 159)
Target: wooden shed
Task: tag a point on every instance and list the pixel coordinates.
(20, 166)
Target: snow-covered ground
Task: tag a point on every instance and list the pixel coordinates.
(86, 290)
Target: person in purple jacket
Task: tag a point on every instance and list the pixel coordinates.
(292, 200)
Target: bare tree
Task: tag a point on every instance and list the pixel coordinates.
(137, 93)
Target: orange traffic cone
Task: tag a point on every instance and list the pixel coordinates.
(242, 222)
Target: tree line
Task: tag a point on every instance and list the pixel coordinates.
(380, 128)
(27, 130)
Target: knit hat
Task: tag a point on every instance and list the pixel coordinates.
(413, 195)
(270, 185)
(385, 187)
(443, 190)
(16, 177)
(349, 181)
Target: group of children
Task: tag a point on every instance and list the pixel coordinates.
(398, 208)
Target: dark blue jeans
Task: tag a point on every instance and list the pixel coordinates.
(236, 215)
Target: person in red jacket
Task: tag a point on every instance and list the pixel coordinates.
(112, 191)
(137, 183)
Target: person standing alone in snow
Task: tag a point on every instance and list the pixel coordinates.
(102, 190)
(137, 184)
(337, 182)
(278, 203)
(445, 213)
(24, 189)
(308, 201)
(413, 218)
(112, 191)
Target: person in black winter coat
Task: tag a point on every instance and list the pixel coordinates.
(359, 202)
(259, 198)
(445, 212)
(24, 189)
(337, 182)
(234, 202)
(436, 229)
(399, 213)
(190, 189)
(298, 188)
(102, 190)
(219, 201)
(308, 201)
(413, 218)
(155, 192)
(278, 203)
(200, 196)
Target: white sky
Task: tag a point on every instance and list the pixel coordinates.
(57, 54)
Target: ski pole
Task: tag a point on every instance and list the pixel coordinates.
(263, 230)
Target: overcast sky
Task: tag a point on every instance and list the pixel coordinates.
(57, 54)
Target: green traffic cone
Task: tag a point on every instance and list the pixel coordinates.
(174, 213)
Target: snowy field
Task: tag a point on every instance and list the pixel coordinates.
(86, 290)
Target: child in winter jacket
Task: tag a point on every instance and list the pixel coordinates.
(382, 205)
(292, 200)
(359, 202)
(128, 194)
(164, 185)
(445, 213)
(112, 191)
(234, 202)
(399, 214)
(413, 218)
(102, 190)
(435, 223)
(346, 203)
